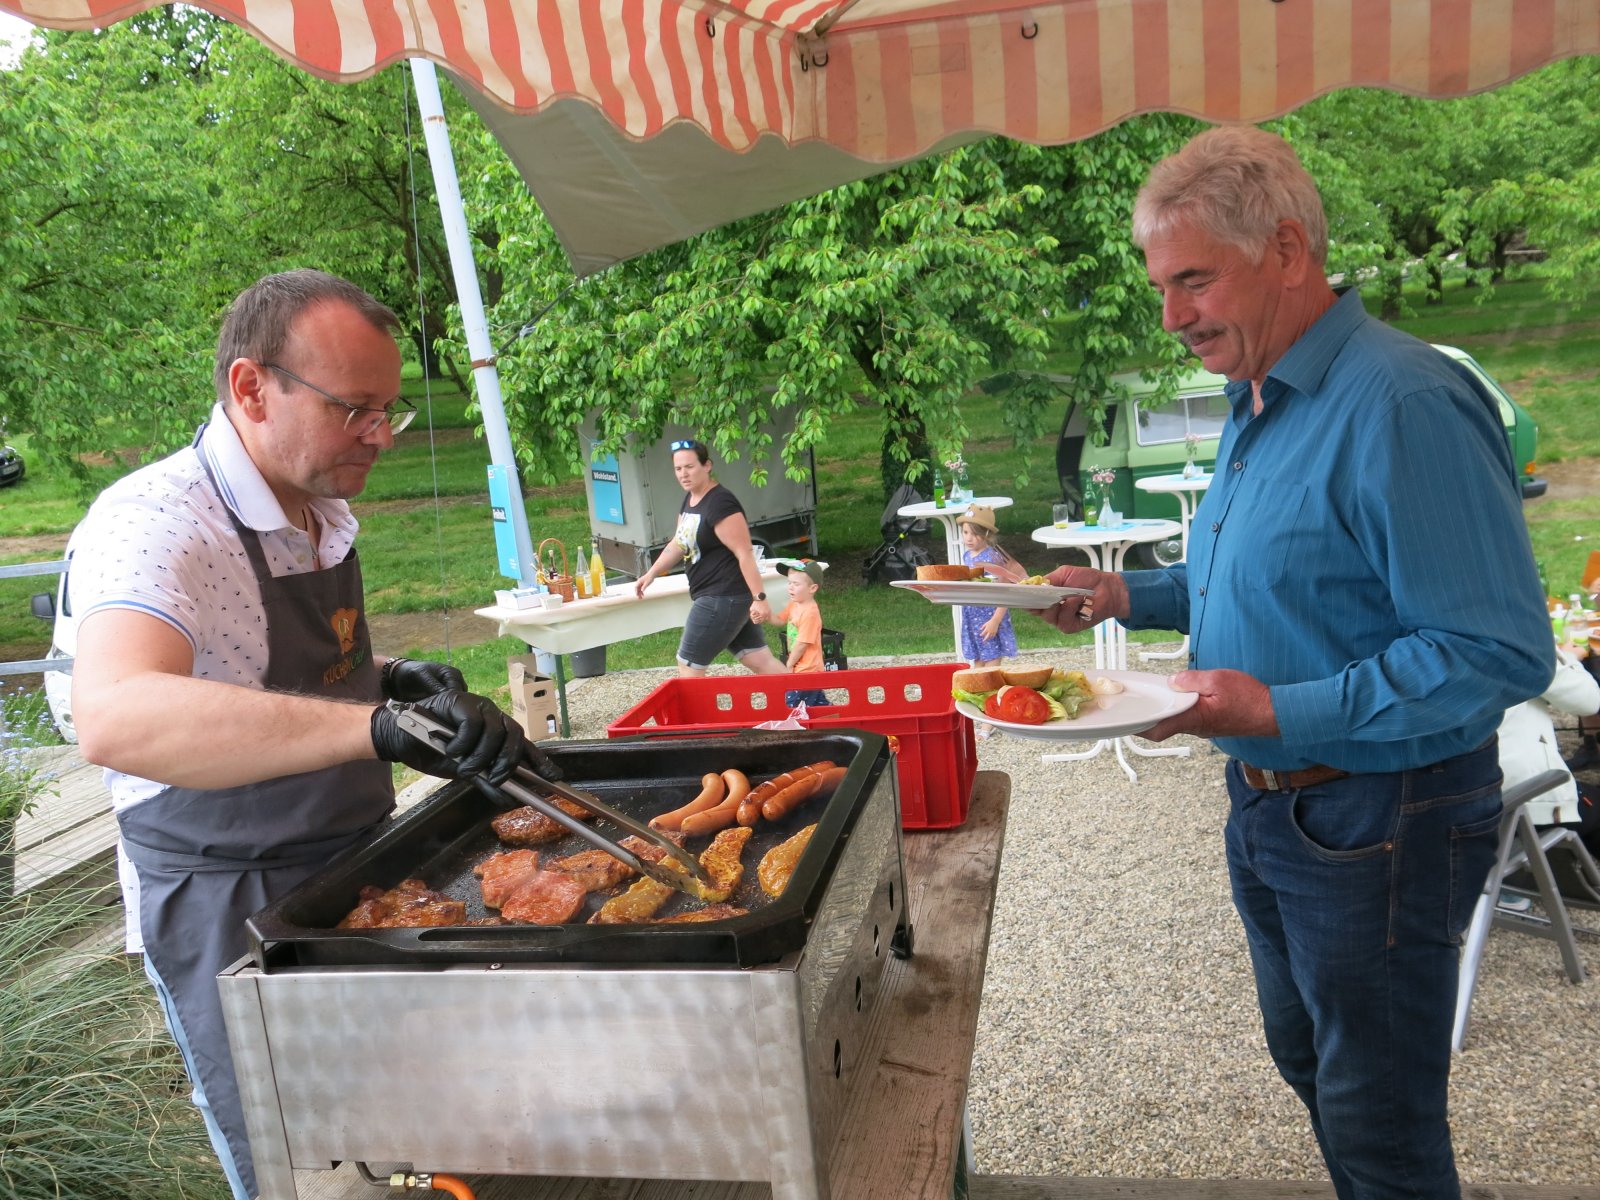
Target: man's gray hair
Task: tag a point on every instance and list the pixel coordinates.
(258, 321)
(1234, 183)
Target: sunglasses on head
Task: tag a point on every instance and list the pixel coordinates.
(685, 444)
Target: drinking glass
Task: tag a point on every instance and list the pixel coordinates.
(1061, 514)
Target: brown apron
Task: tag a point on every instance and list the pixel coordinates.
(208, 859)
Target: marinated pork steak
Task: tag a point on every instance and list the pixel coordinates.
(545, 898)
(527, 826)
(777, 864)
(595, 869)
(721, 861)
(639, 903)
(503, 874)
(711, 912)
(410, 903)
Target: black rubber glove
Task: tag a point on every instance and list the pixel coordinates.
(487, 740)
(417, 679)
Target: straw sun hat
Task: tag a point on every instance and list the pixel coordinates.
(980, 515)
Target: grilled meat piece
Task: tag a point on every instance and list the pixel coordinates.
(503, 874)
(778, 864)
(409, 904)
(545, 898)
(649, 850)
(595, 869)
(527, 826)
(639, 903)
(711, 912)
(721, 861)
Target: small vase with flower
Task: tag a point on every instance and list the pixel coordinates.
(1097, 494)
(960, 490)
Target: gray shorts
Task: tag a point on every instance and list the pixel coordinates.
(715, 624)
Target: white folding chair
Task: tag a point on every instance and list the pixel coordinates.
(1522, 845)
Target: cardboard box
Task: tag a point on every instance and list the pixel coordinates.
(534, 703)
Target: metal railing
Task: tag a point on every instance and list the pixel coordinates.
(34, 666)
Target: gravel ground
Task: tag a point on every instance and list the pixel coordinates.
(1119, 1034)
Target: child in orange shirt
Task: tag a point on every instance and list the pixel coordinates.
(804, 620)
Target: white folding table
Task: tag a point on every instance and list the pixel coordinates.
(617, 616)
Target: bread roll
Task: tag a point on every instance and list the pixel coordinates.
(948, 573)
(1029, 677)
(988, 679)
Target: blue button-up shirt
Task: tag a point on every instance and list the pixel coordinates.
(1362, 551)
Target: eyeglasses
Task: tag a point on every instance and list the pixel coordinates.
(359, 421)
(686, 444)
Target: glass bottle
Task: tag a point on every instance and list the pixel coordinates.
(597, 570)
(938, 488)
(962, 486)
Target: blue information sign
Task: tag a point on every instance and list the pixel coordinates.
(607, 489)
(505, 534)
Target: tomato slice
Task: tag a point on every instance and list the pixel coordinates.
(991, 706)
(1024, 706)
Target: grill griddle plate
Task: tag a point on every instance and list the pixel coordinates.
(441, 839)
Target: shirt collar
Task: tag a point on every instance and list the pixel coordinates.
(1305, 364)
(238, 479)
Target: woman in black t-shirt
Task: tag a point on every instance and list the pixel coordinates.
(713, 543)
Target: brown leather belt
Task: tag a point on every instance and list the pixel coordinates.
(1283, 781)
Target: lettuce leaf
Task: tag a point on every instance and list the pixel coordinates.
(975, 699)
(1068, 690)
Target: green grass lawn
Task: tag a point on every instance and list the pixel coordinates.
(427, 538)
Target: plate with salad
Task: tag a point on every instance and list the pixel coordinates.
(1067, 706)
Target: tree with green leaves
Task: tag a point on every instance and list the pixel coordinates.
(151, 172)
(899, 293)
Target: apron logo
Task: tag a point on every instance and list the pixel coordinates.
(344, 624)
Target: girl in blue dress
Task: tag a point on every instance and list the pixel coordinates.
(986, 633)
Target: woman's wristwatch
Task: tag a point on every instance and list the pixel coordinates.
(758, 596)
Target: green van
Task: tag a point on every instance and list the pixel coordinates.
(1151, 442)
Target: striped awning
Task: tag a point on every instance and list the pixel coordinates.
(637, 123)
(886, 80)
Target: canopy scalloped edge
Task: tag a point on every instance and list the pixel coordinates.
(893, 78)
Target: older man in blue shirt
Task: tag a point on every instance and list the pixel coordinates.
(1352, 660)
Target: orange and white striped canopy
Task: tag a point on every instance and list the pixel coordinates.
(884, 81)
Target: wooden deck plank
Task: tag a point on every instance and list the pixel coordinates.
(72, 831)
(73, 795)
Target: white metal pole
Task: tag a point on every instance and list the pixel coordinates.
(485, 376)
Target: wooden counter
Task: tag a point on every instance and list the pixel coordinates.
(904, 1123)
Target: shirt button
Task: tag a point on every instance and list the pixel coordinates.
(1238, 464)
(1202, 591)
(1216, 525)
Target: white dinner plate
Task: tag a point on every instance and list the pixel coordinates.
(989, 593)
(1147, 699)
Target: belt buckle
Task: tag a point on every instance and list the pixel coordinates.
(1273, 783)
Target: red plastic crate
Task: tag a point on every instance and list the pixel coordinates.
(936, 755)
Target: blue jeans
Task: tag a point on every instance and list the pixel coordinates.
(1354, 895)
(219, 1142)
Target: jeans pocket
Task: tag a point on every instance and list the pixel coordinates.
(1342, 822)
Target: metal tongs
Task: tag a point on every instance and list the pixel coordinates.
(521, 788)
